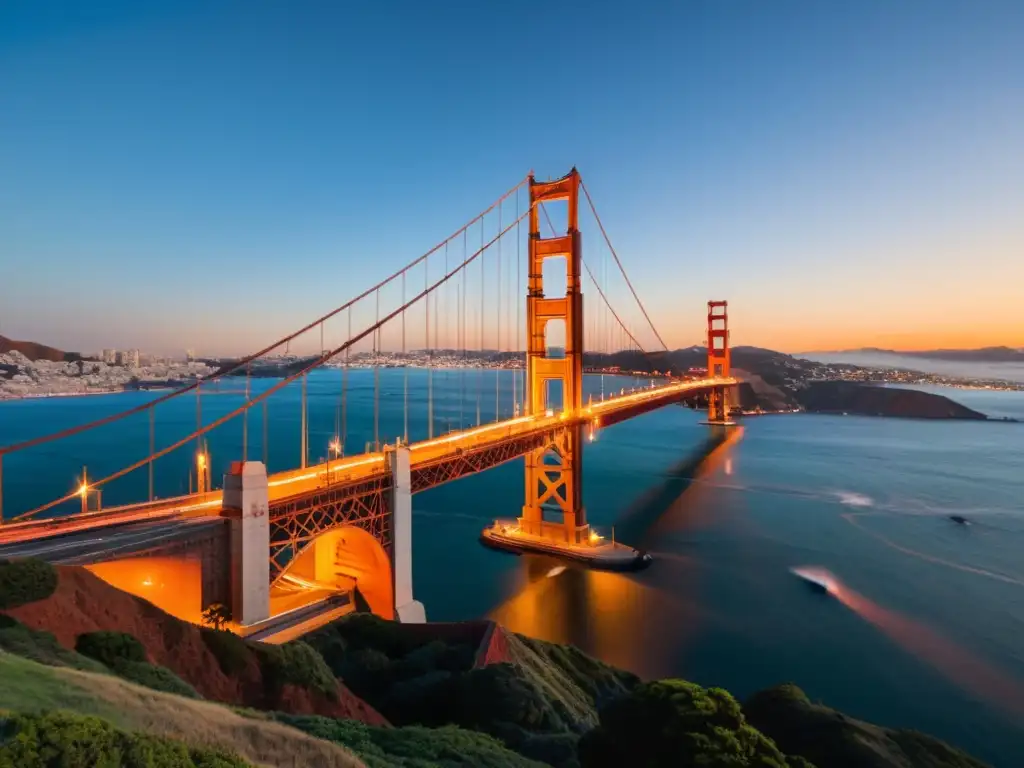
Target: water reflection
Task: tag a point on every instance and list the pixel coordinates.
(637, 621)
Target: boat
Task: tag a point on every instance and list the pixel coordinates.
(817, 579)
(505, 535)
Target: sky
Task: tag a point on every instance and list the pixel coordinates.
(211, 175)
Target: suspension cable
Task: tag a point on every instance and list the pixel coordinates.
(238, 364)
(313, 365)
(596, 285)
(611, 248)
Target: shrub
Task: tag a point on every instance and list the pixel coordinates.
(125, 656)
(25, 581)
(231, 651)
(294, 663)
(827, 737)
(110, 648)
(412, 746)
(73, 741)
(674, 722)
(42, 647)
(154, 676)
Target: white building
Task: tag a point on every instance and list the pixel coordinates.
(109, 356)
(128, 358)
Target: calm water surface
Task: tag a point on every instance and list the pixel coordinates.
(927, 630)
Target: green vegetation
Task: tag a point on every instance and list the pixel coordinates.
(110, 648)
(124, 655)
(412, 746)
(673, 722)
(830, 738)
(31, 688)
(544, 704)
(231, 651)
(25, 581)
(39, 646)
(73, 741)
(295, 663)
(538, 704)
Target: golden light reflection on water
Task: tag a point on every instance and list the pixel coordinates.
(630, 620)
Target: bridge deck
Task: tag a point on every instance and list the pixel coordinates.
(355, 469)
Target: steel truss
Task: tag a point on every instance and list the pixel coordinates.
(464, 463)
(296, 522)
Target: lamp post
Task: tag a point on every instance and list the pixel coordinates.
(334, 447)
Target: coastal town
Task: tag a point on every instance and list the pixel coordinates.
(21, 377)
(118, 371)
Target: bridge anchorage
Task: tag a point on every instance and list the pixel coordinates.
(289, 547)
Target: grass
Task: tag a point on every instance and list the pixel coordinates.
(413, 746)
(31, 687)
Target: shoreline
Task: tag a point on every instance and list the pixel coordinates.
(51, 395)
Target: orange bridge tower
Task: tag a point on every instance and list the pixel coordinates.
(718, 361)
(554, 472)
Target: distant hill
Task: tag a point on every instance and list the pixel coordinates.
(868, 400)
(35, 351)
(980, 355)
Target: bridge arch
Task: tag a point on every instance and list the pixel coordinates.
(345, 556)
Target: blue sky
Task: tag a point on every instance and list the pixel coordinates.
(210, 174)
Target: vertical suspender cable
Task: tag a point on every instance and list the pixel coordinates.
(245, 415)
(376, 380)
(519, 309)
(405, 375)
(199, 416)
(447, 334)
(497, 370)
(430, 354)
(152, 448)
(479, 362)
(304, 458)
(266, 443)
(344, 389)
(465, 343)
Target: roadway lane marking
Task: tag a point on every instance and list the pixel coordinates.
(35, 551)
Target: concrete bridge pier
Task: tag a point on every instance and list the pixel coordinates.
(407, 609)
(246, 506)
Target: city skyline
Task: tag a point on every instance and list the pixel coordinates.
(845, 176)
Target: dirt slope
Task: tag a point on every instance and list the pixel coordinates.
(83, 602)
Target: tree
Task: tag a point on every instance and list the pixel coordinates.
(217, 615)
(675, 723)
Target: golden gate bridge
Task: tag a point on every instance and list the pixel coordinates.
(347, 517)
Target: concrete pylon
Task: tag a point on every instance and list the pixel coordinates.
(245, 504)
(407, 609)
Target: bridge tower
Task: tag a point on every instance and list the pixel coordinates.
(718, 360)
(554, 472)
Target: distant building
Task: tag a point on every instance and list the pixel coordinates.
(190, 355)
(129, 358)
(109, 356)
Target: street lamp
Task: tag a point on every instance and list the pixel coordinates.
(334, 447)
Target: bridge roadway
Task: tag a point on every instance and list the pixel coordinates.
(136, 526)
